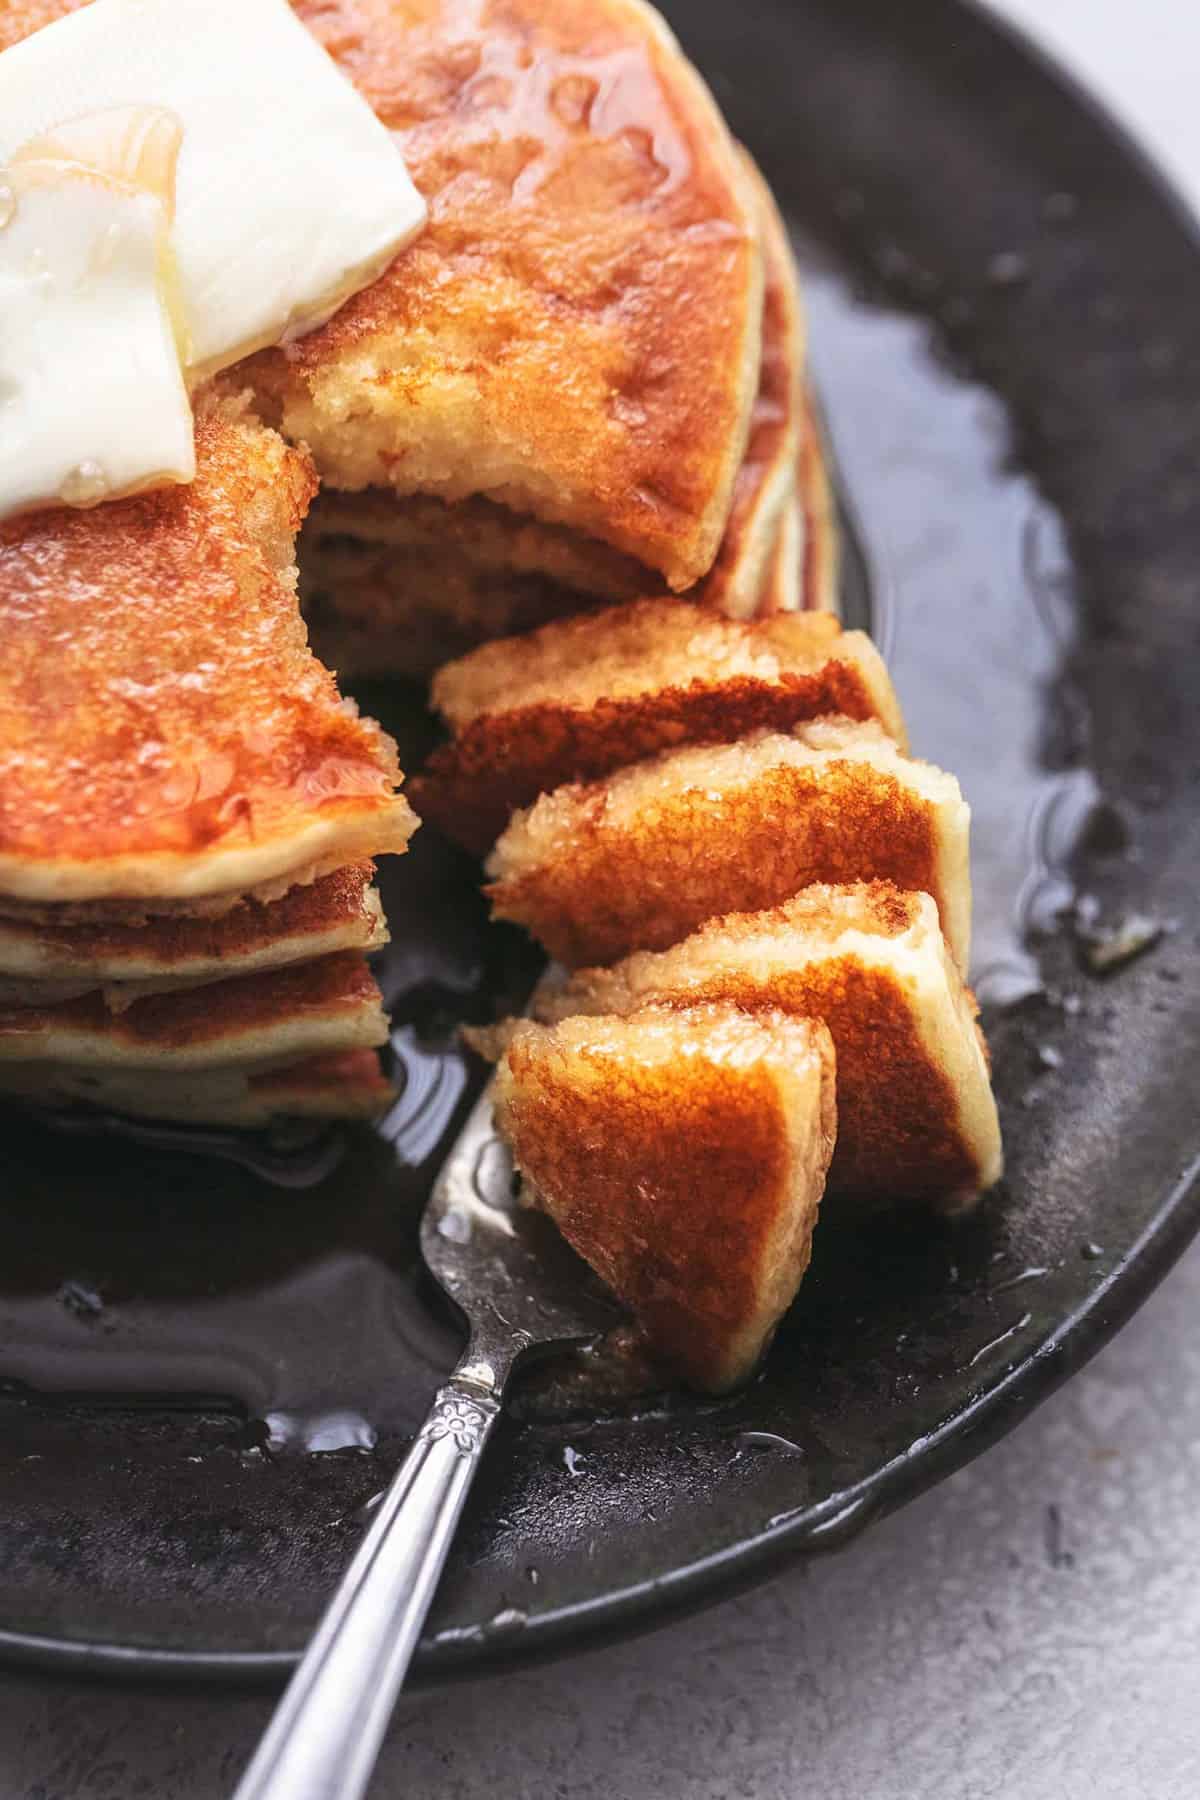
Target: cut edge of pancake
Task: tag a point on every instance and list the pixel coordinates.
(580, 699)
(747, 959)
(579, 865)
(718, 1127)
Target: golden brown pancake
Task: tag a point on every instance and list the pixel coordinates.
(683, 1154)
(638, 860)
(403, 584)
(583, 697)
(916, 1116)
(330, 1004)
(766, 481)
(164, 728)
(340, 912)
(576, 332)
(345, 1085)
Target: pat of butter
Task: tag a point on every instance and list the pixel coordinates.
(92, 399)
(290, 194)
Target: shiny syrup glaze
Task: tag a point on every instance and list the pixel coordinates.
(277, 1277)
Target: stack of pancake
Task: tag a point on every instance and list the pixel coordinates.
(188, 811)
(571, 417)
(586, 382)
(582, 381)
(722, 817)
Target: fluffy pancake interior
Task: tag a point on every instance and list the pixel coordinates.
(683, 1153)
(916, 1115)
(628, 651)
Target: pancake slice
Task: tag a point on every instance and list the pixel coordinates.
(328, 1005)
(165, 732)
(683, 1153)
(576, 333)
(637, 861)
(341, 911)
(344, 1085)
(916, 1115)
(589, 695)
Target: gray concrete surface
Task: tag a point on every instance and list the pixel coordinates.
(1031, 1628)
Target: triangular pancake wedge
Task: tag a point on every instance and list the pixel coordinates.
(638, 860)
(589, 695)
(916, 1116)
(683, 1154)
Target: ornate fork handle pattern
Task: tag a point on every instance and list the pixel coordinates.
(456, 1417)
(326, 1732)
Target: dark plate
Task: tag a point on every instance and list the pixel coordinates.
(1007, 334)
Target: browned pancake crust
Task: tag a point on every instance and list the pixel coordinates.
(401, 584)
(766, 478)
(326, 988)
(340, 1084)
(647, 883)
(585, 300)
(507, 755)
(899, 1127)
(158, 700)
(337, 901)
(669, 1179)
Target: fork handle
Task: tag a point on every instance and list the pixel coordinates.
(322, 1742)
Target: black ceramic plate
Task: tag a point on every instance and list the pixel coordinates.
(1006, 328)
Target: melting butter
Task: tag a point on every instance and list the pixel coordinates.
(93, 403)
(288, 196)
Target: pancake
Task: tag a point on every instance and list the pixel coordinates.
(766, 481)
(637, 861)
(396, 586)
(916, 1116)
(819, 545)
(577, 331)
(340, 912)
(164, 728)
(402, 585)
(783, 586)
(346, 1085)
(583, 697)
(275, 1017)
(683, 1154)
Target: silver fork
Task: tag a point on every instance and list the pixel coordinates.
(520, 1288)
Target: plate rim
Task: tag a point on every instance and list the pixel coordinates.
(647, 1605)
